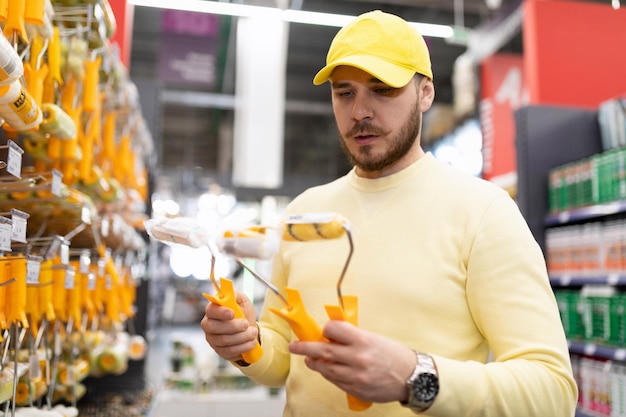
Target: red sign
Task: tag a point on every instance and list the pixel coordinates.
(503, 92)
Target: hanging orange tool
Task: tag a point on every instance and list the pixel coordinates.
(321, 226)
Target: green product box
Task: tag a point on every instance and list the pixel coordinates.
(617, 320)
(595, 179)
(569, 303)
(555, 184)
(605, 191)
(620, 162)
(596, 318)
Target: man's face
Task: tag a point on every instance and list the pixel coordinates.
(379, 125)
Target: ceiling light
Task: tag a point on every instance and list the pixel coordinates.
(288, 15)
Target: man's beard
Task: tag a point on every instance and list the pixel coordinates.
(400, 145)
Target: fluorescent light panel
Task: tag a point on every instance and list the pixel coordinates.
(289, 15)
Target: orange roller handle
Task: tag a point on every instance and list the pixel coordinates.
(59, 293)
(226, 298)
(5, 275)
(35, 81)
(68, 95)
(15, 20)
(4, 10)
(87, 295)
(74, 302)
(98, 293)
(36, 46)
(348, 313)
(54, 148)
(85, 164)
(33, 307)
(108, 133)
(126, 296)
(45, 290)
(34, 11)
(54, 57)
(112, 281)
(303, 325)
(16, 292)
(90, 84)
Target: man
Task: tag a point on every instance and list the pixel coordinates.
(456, 316)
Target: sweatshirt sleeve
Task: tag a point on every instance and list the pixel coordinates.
(513, 306)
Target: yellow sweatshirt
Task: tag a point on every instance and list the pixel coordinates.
(444, 263)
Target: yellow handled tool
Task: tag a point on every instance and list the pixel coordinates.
(226, 297)
(303, 325)
(348, 313)
(188, 232)
(257, 242)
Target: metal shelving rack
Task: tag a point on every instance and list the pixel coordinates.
(547, 137)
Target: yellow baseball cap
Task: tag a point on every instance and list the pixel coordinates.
(381, 44)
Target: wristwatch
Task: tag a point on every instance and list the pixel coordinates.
(423, 384)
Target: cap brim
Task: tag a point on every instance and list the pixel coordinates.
(390, 74)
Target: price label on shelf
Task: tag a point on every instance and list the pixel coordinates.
(590, 349)
(65, 253)
(5, 236)
(91, 281)
(85, 262)
(14, 159)
(70, 274)
(18, 230)
(57, 180)
(33, 266)
(620, 354)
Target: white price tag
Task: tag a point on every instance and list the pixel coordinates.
(57, 180)
(91, 281)
(65, 253)
(564, 217)
(14, 159)
(85, 262)
(70, 274)
(5, 237)
(620, 354)
(101, 266)
(85, 215)
(105, 226)
(590, 349)
(18, 230)
(33, 267)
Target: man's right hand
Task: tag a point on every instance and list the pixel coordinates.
(227, 335)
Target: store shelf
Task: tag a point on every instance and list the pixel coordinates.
(597, 351)
(568, 280)
(585, 213)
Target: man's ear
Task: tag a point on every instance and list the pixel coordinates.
(427, 94)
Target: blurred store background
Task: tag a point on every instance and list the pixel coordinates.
(209, 113)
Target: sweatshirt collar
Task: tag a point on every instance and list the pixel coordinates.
(390, 181)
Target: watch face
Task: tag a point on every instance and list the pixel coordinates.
(425, 387)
